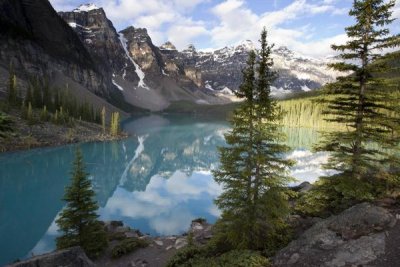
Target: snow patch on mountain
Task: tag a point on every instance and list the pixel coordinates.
(164, 73)
(227, 91)
(208, 86)
(202, 102)
(138, 70)
(72, 24)
(117, 85)
(86, 8)
(279, 92)
(303, 67)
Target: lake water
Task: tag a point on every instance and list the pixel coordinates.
(157, 180)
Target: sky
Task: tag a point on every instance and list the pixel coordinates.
(305, 26)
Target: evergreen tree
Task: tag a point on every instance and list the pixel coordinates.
(114, 126)
(12, 87)
(28, 96)
(57, 99)
(44, 115)
(366, 105)
(29, 114)
(47, 96)
(78, 220)
(253, 171)
(6, 125)
(37, 94)
(103, 119)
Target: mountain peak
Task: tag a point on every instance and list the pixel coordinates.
(283, 50)
(86, 8)
(168, 46)
(191, 49)
(248, 44)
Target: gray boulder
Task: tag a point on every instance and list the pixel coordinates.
(73, 257)
(353, 238)
(201, 231)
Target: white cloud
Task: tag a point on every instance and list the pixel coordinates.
(396, 11)
(231, 30)
(63, 5)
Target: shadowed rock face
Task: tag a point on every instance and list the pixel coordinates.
(37, 21)
(73, 257)
(38, 42)
(355, 237)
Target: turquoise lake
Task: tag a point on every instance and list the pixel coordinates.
(157, 180)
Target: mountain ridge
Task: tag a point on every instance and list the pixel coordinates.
(127, 67)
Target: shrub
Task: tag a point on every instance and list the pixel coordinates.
(5, 124)
(127, 246)
(194, 257)
(116, 236)
(331, 195)
(185, 255)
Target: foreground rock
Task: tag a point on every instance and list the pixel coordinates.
(160, 249)
(73, 257)
(356, 237)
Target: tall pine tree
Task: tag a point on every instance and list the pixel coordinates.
(253, 169)
(78, 220)
(366, 105)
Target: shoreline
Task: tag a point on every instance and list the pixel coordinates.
(47, 134)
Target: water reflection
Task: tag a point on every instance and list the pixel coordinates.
(157, 180)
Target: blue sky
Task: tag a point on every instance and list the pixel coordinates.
(306, 26)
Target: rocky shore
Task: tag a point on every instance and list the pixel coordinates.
(156, 252)
(47, 134)
(363, 235)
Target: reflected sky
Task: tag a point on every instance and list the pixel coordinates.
(158, 180)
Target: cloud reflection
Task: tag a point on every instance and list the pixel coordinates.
(308, 167)
(168, 205)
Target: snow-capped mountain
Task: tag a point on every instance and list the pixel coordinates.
(126, 67)
(86, 8)
(221, 68)
(199, 76)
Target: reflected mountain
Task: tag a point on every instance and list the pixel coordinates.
(170, 145)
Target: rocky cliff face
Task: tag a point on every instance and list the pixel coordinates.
(98, 35)
(142, 70)
(136, 66)
(143, 53)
